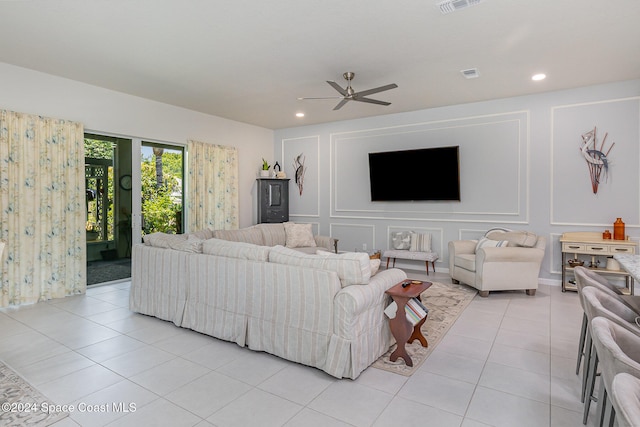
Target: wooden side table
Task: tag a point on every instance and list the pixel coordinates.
(401, 327)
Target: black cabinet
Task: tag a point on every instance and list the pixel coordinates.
(273, 200)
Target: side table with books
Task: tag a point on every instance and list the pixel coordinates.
(406, 328)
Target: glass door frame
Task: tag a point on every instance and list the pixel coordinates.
(136, 175)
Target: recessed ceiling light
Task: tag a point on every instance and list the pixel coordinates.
(299, 114)
(538, 77)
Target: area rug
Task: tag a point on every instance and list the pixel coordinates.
(445, 302)
(22, 405)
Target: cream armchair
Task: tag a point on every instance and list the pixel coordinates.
(502, 260)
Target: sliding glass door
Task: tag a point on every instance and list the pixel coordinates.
(162, 188)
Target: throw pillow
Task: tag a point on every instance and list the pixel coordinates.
(488, 243)
(375, 265)
(298, 235)
(401, 240)
(420, 242)
(516, 238)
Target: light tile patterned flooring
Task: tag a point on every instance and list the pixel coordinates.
(509, 360)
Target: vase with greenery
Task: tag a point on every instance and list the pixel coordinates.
(265, 169)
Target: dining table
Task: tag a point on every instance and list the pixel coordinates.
(631, 264)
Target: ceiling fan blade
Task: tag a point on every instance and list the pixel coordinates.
(375, 90)
(337, 87)
(340, 104)
(322, 97)
(371, 101)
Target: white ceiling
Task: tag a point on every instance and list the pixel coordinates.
(249, 60)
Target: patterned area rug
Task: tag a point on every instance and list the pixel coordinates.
(22, 405)
(445, 303)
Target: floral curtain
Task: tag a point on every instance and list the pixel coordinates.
(212, 200)
(42, 212)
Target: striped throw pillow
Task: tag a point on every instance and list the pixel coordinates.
(420, 242)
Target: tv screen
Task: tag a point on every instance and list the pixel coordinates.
(421, 174)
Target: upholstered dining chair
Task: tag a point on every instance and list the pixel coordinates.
(625, 398)
(585, 277)
(599, 303)
(618, 350)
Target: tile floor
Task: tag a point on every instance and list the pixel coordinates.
(509, 360)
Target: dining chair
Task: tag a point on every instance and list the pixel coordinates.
(585, 277)
(618, 350)
(599, 303)
(625, 398)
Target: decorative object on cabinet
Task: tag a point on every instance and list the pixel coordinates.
(593, 245)
(597, 160)
(265, 169)
(618, 229)
(606, 235)
(298, 165)
(273, 200)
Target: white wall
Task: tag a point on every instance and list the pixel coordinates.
(115, 113)
(520, 168)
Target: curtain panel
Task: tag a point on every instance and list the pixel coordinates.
(212, 200)
(42, 212)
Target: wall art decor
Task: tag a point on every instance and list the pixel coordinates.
(597, 160)
(298, 165)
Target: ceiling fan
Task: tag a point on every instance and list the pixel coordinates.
(349, 94)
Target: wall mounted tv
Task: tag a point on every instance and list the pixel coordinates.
(421, 174)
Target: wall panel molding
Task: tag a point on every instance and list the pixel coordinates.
(572, 201)
(495, 185)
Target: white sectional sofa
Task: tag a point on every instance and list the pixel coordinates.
(324, 311)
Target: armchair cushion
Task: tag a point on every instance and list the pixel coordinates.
(466, 261)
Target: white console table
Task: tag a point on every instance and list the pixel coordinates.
(594, 246)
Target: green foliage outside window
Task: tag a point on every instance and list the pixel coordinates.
(161, 204)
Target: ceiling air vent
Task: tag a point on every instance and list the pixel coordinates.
(470, 73)
(449, 6)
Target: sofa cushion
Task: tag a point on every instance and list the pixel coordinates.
(273, 234)
(190, 244)
(353, 268)
(246, 235)
(233, 249)
(163, 240)
(298, 235)
(515, 238)
(374, 263)
(466, 261)
(203, 234)
(420, 242)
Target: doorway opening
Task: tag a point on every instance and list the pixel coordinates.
(108, 208)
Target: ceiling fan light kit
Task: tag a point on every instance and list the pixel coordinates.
(349, 94)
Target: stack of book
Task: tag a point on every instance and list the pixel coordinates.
(414, 310)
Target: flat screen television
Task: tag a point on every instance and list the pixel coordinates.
(420, 174)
